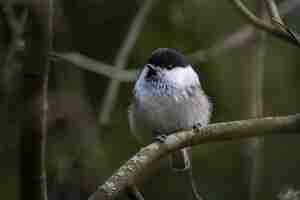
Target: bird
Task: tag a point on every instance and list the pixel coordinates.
(168, 97)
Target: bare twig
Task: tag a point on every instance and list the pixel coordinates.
(96, 66)
(194, 187)
(273, 10)
(134, 193)
(45, 106)
(238, 38)
(138, 165)
(273, 30)
(16, 29)
(35, 103)
(252, 91)
(276, 19)
(121, 60)
(234, 40)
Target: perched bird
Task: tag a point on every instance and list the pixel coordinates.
(168, 97)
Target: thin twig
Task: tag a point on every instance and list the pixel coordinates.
(238, 38)
(141, 163)
(134, 193)
(45, 106)
(122, 58)
(284, 27)
(276, 19)
(98, 67)
(34, 89)
(16, 28)
(252, 87)
(234, 40)
(273, 10)
(196, 193)
(273, 30)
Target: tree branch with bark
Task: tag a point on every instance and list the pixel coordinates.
(136, 167)
(283, 33)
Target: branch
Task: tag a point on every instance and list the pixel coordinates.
(138, 165)
(34, 91)
(195, 191)
(238, 38)
(276, 19)
(273, 30)
(273, 10)
(252, 97)
(234, 40)
(16, 29)
(134, 193)
(98, 67)
(48, 45)
(122, 58)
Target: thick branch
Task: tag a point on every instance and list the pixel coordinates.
(136, 167)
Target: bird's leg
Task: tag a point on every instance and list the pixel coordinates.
(159, 137)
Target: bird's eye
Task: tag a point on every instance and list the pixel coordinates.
(169, 66)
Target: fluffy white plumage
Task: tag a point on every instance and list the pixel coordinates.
(174, 102)
(168, 98)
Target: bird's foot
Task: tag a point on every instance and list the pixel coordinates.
(197, 126)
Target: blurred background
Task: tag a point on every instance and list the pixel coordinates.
(246, 73)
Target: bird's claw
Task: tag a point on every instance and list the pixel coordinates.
(197, 126)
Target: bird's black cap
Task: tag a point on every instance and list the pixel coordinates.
(167, 58)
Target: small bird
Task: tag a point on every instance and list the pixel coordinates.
(168, 97)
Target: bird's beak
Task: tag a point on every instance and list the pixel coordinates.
(152, 71)
(151, 67)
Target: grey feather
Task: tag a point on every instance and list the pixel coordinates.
(166, 101)
(166, 114)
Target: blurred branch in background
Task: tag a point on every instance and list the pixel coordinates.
(273, 30)
(49, 14)
(122, 59)
(252, 84)
(136, 168)
(276, 19)
(16, 28)
(237, 38)
(16, 2)
(234, 40)
(97, 67)
(34, 91)
(273, 10)
(133, 193)
(289, 193)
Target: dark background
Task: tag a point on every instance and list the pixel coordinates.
(82, 153)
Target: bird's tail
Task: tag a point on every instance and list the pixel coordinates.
(180, 160)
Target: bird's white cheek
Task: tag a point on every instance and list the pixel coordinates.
(183, 77)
